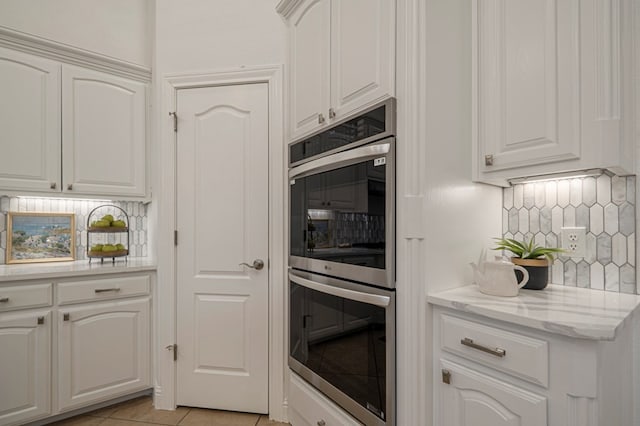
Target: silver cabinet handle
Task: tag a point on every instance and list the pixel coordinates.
(70, 187)
(4, 299)
(493, 351)
(104, 290)
(321, 119)
(332, 113)
(53, 185)
(257, 264)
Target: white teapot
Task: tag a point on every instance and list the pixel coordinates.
(497, 278)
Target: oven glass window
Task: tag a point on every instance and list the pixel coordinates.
(342, 341)
(339, 215)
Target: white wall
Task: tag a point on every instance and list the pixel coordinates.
(116, 28)
(194, 35)
(444, 219)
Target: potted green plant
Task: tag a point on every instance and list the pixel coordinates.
(534, 258)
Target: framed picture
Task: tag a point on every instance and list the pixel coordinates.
(40, 237)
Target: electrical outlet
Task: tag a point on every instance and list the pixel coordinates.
(574, 241)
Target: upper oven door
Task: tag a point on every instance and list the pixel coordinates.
(342, 214)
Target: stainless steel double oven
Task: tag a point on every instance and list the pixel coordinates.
(342, 263)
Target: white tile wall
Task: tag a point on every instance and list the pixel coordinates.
(605, 206)
(136, 211)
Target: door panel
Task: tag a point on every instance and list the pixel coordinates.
(309, 35)
(222, 162)
(103, 351)
(25, 355)
(30, 122)
(103, 125)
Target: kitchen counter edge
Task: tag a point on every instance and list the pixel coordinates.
(563, 310)
(37, 271)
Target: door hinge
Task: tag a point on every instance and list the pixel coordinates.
(174, 349)
(175, 121)
(175, 237)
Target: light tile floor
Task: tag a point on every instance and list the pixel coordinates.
(140, 412)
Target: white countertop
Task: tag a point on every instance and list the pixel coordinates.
(34, 271)
(568, 311)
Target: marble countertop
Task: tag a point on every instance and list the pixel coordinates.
(35, 271)
(568, 311)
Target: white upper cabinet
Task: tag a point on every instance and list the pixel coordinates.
(30, 122)
(71, 130)
(551, 88)
(309, 44)
(362, 53)
(342, 59)
(104, 127)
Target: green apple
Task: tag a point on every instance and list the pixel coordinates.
(96, 247)
(120, 246)
(109, 248)
(107, 218)
(118, 224)
(100, 224)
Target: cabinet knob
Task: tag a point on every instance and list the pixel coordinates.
(446, 377)
(4, 299)
(321, 119)
(332, 113)
(70, 187)
(488, 160)
(53, 185)
(321, 423)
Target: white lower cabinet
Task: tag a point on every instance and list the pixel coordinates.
(491, 373)
(308, 407)
(98, 349)
(103, 351)
(25, 366)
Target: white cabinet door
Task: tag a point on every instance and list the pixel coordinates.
(342, 58)
(553, 90)
(103, 351)
(30, 123)
(104, 134)
(309, 50)
(25, 366)
(474, 399)
(528, 76)
(362, 53)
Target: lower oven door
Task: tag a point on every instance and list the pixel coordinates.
(342, 341)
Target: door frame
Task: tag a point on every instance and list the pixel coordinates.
(165, 315)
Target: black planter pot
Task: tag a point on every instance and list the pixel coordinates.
(538, 270)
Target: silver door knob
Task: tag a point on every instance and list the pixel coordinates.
(257, 264)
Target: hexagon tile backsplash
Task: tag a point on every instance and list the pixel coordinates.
(136, 211)
(604, 205)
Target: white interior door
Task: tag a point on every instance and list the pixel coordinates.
(222, 215)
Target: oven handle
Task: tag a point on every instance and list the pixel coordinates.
(341, 159)
(358, 296)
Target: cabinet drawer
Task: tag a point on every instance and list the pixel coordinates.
(25, 296)
(310, 408)
(515, 354)
(101, 289)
